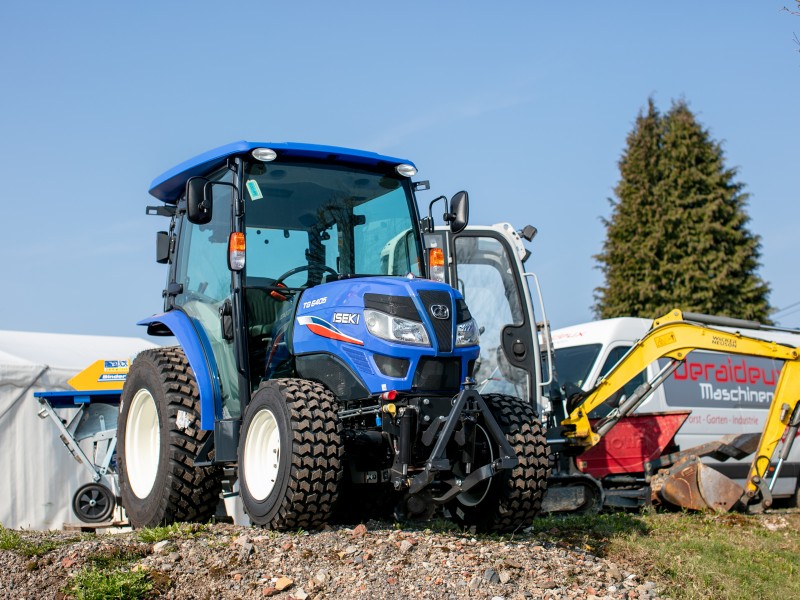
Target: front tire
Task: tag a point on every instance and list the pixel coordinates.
(159, 440)
(290, 455)
(512, 498)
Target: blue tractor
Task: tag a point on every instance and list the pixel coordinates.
(317, 364)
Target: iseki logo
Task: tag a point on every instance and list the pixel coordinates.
(346, 318)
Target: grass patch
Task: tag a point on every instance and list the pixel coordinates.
(95, 584)
(114, 558)
(152, 535)
(14, 542)
(593, 533)
(693, 556)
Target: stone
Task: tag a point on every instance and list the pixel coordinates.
(283, 583)
(491, 576)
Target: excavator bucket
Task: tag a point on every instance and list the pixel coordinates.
(692, 485)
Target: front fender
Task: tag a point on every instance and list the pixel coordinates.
(197, 348)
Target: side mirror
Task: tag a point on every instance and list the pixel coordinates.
(198, 202)
(162, 247)
(459, 212)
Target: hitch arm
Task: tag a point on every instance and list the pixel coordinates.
(437, 461)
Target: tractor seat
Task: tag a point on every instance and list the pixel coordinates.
(262, 312)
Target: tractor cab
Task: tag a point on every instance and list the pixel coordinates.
(256, 226)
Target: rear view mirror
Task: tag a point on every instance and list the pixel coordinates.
(198, 202)
(162, 247)
(459, 212)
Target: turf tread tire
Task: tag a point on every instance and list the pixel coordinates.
(515, 497)
(182, 492)
(311, 461)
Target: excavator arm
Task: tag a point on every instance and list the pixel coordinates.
(674, 336)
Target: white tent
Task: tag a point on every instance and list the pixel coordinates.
(38, 476)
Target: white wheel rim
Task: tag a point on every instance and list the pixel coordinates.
(142, 443)
(262, 455)
(476, 495)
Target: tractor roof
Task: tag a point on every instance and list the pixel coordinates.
(169, 186)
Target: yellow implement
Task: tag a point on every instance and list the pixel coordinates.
(102, 375)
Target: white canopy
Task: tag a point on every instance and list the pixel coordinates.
(38, 476)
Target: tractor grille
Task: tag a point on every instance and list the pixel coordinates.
(439, 374)
(443, 328)
(399, 306)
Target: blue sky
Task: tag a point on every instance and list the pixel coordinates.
(524, 104)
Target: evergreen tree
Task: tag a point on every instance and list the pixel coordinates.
(677, 236)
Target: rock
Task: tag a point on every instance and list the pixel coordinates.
(491, 576)
(159, 547)
(548, 584)
(406, 546)
(321, 576)
(283, 583)
(505, 577)
(359, 531)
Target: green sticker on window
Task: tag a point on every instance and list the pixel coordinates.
(253, 189)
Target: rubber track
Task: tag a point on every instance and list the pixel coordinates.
(191, 493)
(316, 457)
(521, 498)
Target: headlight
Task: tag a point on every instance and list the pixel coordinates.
(467, 333)
(395, 329)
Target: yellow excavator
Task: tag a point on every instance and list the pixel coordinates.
(686, 482)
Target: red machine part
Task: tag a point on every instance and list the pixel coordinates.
(635, 440)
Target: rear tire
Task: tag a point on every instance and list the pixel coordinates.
(290, 455)
(159, 440)
(511, 499)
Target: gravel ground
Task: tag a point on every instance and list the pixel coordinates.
(368, 561)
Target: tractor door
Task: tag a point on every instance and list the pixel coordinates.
(485, 268)
(204, 287)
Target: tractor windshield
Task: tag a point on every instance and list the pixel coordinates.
(309, 221)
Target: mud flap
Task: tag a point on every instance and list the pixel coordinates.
(692, 485)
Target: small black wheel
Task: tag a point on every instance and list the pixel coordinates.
(594, 498)
(93, 503)
(159, 438)
(290, 455)
(512, 498)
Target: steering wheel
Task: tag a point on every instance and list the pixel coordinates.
(290, 272)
